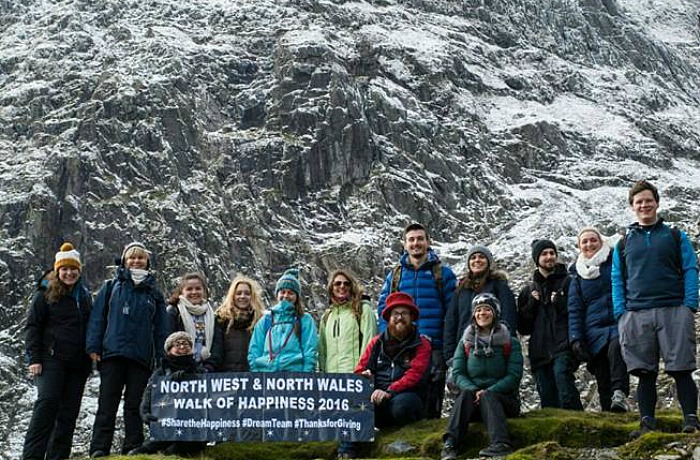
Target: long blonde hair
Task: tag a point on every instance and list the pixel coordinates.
(355, 290)
(228, 312)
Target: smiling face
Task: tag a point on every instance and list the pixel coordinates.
(645, 206)
(180, 348)
(483, 315)
(242, 296)
(193, 291)
(137, 259)
(68, 275)
(416, 244)
(589, 243)
(547, 259)
(342, 287)
(478, 263)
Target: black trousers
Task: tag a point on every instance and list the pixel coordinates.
(60, 391)
(610, 372)
(436, 388)
(493, 409)
(117, 375)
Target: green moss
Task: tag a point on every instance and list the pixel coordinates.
(543, 451)
(268, 450)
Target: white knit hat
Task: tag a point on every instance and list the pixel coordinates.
(67, 257)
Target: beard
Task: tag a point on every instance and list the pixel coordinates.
(400, 330)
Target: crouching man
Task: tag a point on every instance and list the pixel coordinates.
(398, 360)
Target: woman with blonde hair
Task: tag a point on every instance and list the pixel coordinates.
(235, 319)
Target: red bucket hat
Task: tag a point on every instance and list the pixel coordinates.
(400, 299)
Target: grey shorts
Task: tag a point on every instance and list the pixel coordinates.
(669, 333)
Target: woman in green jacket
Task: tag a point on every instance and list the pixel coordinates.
(346, 328)
(487, 368)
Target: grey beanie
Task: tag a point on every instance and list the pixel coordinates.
(174, 337)
(482, 250)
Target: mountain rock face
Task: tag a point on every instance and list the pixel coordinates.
(251, 136)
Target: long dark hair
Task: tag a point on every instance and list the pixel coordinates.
(57, 288)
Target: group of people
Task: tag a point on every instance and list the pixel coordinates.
(616, 309)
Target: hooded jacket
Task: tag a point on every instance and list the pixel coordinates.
(128, 320)
(546, 321)
(276, 346)
(459, 313)
(343, 337)
(421, 285)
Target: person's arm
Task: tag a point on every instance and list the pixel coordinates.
(576, 309)
(216, 351)
(161, 325)
(309, 343)
(363, 363)
(413, 375)
(96, 323)
(690, 273)
(527, 310)
(381, 302)
(508, 310)
(459, 370)
(510, 382)
(368, 324)
(34, 339)
(449, 334)
(322, 343)
(256, 347)
(145, 407)
(617, 284)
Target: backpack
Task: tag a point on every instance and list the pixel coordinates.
(437, 275)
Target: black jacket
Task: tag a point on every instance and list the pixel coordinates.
(546, 321)
(58, 329)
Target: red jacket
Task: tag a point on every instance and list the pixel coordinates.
(406, 371)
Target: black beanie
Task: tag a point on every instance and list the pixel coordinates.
(540, 245)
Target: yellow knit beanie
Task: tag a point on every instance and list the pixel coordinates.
(67, 257)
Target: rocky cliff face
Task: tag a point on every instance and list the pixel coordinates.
(250, 136)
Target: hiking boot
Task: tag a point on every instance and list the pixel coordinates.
(647, 424)
(499, 449)
(619, 402)
(690, 423)
(448, 452)
(98, 454)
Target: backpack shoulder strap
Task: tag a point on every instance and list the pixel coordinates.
(676, 234)
(508, 347)
(437, 274)
(395, 278)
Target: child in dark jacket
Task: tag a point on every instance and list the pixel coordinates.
(178, 364)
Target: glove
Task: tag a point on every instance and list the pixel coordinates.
(150, 418)
(178, 376)
(580, 351)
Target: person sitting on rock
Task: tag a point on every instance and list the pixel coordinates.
(398, 360)
(487, 367)
(178, 364)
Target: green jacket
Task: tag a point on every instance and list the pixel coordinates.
(342, 338)
(483, 371)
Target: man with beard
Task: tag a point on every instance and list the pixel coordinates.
(655, 297)
(421, 274)
(543, 315)
(398, 360)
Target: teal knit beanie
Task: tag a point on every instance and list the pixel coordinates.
(289, 280)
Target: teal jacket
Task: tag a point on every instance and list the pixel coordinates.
(486, 369)
(283, 341)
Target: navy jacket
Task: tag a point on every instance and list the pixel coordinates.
(590, 308)
(459, 313)
(420, 284)
(134, 325)
(653, 278)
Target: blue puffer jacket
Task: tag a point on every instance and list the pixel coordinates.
(590, 308)
(136, 322)
(420, 284)
(652, 278)
(277, 347)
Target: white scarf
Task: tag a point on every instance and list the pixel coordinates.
(138, 275)
(589, 269)
(187, 309)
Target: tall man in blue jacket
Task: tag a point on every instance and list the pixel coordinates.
(424, 277)
(655, 296)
